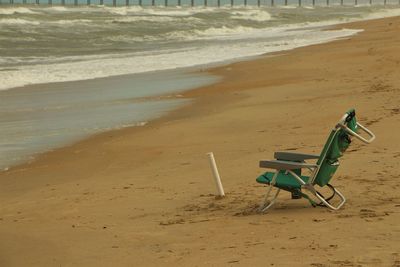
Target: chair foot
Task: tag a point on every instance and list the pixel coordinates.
(265, 206)
(325, 202)
(267, 203)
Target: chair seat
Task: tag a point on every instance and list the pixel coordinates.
(285, 181)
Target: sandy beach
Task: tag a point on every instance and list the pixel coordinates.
(144, 196)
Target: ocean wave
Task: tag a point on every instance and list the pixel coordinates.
(384, 13)
(156, 10)
(58, 8)
(129, 19)
(253, 15)
(72, 21)
(121, 10)
(132, 39)
(20, 38)
(241, 12)
(179, 12)
(16, 10)
(229, 29)
(221, 31)
(18, 22)
(212, 33)
(183, 35)
(290, 7)
(111, 65)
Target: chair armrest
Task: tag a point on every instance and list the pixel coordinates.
(294, 156)
(285, 165)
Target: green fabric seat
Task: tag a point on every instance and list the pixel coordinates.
(285, 181)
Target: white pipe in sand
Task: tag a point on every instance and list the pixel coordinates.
(217, 179)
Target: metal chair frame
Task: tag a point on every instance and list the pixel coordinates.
(283, 163)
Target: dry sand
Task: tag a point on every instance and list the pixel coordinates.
(144, 196)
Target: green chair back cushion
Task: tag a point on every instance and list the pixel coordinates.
(337, 143)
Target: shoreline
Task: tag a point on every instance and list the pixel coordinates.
(197, 70)
(141, 193)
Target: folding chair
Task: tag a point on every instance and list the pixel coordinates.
(288, 166)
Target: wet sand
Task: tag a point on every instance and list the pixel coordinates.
(144, 196)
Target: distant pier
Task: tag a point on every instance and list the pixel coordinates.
(197, 3)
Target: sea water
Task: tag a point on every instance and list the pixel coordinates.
(75, 57)
(39, 118)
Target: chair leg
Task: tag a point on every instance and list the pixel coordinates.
(326, 203)
(268, 202)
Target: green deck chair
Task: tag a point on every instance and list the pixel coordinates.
(288, 166)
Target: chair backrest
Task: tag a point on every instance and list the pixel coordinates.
(337, 143)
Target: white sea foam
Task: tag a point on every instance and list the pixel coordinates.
(111, 65)
(174, 13)
(122, 10)
(21, 38)
(131, 39)
(254, 15)
(16, 10)
(18, 22)
(129, 19)
(58, 8)
(290, 7)
(245, 33)
(157, 11)
(221, 32)
(169, 11)
(117, 10)
(72, 21)
(384, 13)
(182, 12)
(212, 33)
